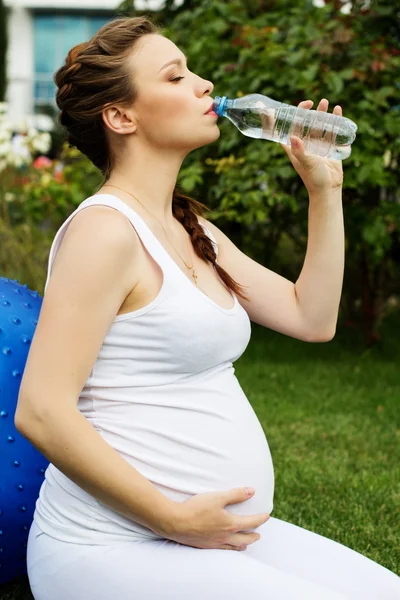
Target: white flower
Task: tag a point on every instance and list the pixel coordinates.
(5, 148)
(18, 150)
(32, 132)
(5, 136)
(17, 160)
(42, 142)
(5, 131)
(387, 157)
(20, 146)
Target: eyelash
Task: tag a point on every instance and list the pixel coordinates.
(177, 79)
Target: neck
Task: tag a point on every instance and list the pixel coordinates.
(151, 177)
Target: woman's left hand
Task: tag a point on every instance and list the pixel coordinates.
(319, 174)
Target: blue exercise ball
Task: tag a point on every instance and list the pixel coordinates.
(22, 467)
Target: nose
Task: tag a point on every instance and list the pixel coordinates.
(210, 86)
(206, 89)
(203, 86)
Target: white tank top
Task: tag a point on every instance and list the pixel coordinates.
(164, 394)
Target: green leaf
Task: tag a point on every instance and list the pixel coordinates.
(375, 233)
(334, 83)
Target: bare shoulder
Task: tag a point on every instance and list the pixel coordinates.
(106, 233)
(89, 281)
(105, 220)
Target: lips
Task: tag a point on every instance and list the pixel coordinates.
(210, 109)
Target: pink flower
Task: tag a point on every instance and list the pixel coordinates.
(42, 162)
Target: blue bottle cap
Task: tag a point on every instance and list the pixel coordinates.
(221, 104)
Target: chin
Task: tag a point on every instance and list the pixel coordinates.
(211, 137)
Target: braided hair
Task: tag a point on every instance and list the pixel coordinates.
(95, 75)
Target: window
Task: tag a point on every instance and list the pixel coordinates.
(54, 36)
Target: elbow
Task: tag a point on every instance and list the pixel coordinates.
(18, 422)
(320, 337)
(21, 423)
(25, 421)
(34, 428)
(22, 410)
(27, 414)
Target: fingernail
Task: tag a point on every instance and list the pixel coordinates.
(250, 491)
(294, 142)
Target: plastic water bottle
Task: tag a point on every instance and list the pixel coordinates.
(258, 116)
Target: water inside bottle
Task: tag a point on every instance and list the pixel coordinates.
(322, 133)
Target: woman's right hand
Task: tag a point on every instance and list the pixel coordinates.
(202, 521)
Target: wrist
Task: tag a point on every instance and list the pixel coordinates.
(167, 519)
(326, 195)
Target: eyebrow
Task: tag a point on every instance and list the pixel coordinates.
(176, 61)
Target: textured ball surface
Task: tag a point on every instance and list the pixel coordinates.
(22, 467)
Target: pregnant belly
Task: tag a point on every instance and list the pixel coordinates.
(194, 439)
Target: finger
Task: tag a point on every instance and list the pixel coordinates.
(290, 150)
(297, 127)
(297, 154)
(296, 147)
(337, 110)
(323, 105)
(306, 104)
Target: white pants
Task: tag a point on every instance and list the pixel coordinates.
(287, 563)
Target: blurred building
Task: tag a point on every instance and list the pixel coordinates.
(41, 32)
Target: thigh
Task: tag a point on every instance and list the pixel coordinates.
(311, 556)
(149, 569)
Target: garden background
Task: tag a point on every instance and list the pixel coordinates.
(330, 411)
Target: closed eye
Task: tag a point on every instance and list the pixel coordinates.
(176, 79)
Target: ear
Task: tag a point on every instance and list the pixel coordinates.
(119, 119)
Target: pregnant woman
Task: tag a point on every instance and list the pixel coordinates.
(129, 389)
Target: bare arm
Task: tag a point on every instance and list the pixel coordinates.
(319, 286)
(91, 276)
(69, 441)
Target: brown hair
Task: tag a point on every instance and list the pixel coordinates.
(96, 74)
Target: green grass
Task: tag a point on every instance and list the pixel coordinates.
(331, 415)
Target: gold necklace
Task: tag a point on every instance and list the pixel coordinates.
(190, 267)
